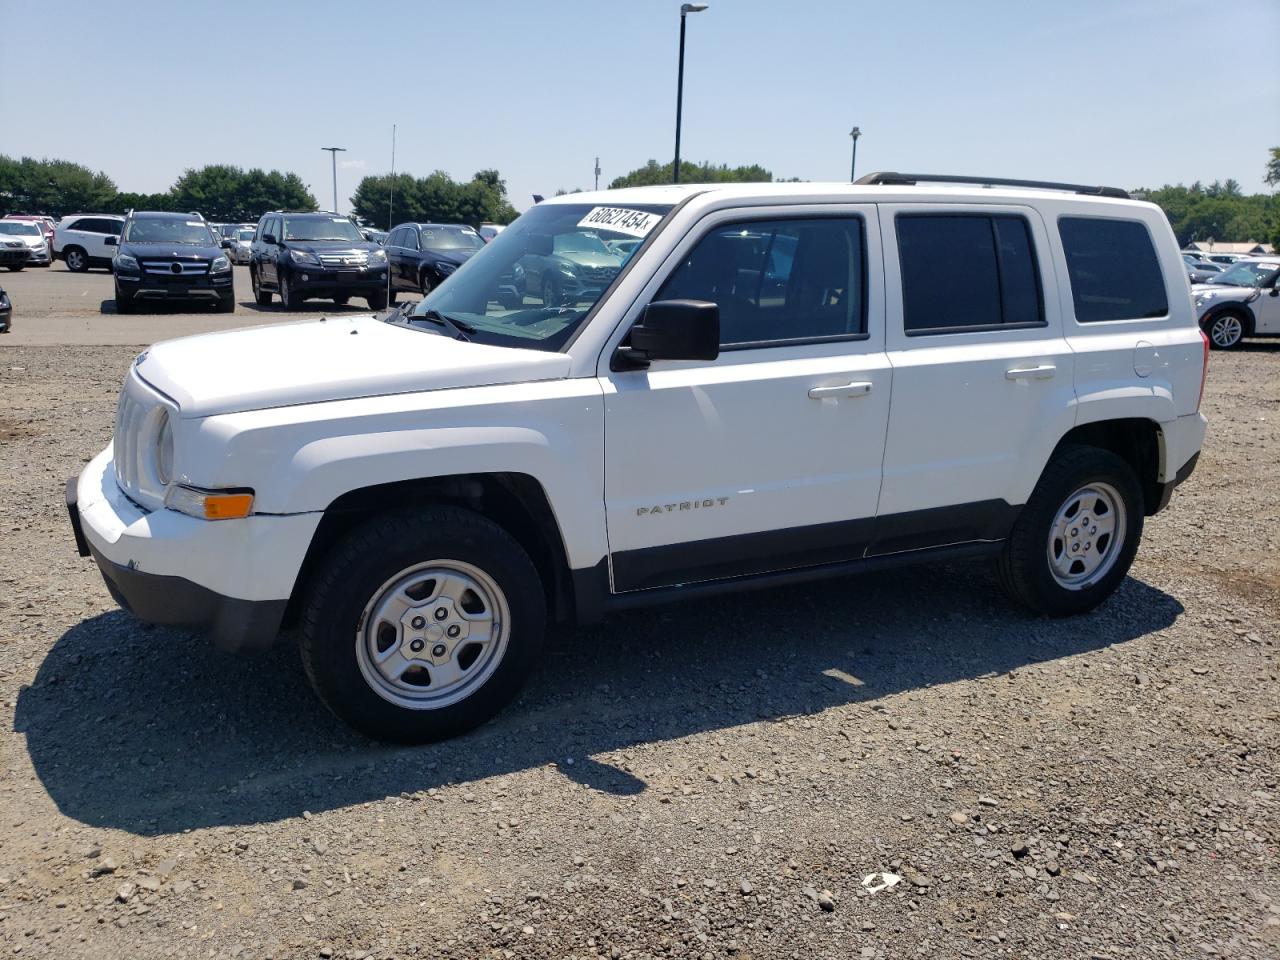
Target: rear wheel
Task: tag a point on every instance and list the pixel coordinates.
(77, 260)
(422, 624)
(1226, 330)
(1075, 539)
(424, 283)
(261, 297)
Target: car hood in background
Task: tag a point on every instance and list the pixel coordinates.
(174, 251)
(314, 361)
(332, 246)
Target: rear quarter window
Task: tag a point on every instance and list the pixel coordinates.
(1113, 268)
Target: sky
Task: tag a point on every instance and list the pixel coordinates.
(1126, 93)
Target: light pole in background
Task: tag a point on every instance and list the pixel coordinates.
(333, 152)
(853, 163)
(685, 10)
(597, 173)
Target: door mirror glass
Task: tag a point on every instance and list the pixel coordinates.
(676, 330)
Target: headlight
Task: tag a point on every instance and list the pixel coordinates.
(220, 265)
(125, 262)
(302, 256)
(445, 268)
(209, 504)
(164, 450)
(377, 257)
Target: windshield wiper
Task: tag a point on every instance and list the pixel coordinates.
(460, 329)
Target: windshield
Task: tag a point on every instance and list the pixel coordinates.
(532, 284)
(321, 228)
(434, 238)
(168, 230)
(245, 235)
(1247, 274)
(19, 228)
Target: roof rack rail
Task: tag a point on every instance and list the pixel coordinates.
(911, 179)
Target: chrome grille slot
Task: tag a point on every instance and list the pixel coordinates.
(356, 258)
(185, 268)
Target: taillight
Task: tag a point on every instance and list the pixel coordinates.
(1204, 370)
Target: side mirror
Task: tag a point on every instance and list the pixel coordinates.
(268, 238)
(226, 244)
(110, 242)
(674, 330)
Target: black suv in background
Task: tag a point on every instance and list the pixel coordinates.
(421, 255)
(163, 257)
(315, 255)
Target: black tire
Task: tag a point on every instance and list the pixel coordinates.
(391, 296)
(550, 292)
(77, 260)
(424, 283)
(341, 301)
(261, 297)
(352, 575)
(288, 299)
(377, 301)
(1024, 567)
(1226, 329)
(226, 305)
(125, 306)
(16, 267)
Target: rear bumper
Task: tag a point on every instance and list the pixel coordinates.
(1183, 439)
(230, 579)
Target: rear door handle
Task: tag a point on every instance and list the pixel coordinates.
(858, 389)
(1042, 372)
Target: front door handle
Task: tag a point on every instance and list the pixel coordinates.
(859, 389)
(1042, 372)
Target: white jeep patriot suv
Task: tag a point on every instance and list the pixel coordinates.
(779, 381)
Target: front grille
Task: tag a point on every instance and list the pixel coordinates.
(355, 259)
(598, 274)
(185, 268)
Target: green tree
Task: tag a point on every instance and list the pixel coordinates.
(230, 194)
(436, 198)
(1219, 211)
(1272, 176)
(654, 173)
(55, 187)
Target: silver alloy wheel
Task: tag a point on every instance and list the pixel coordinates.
(75, 260)
(1087, 536)
(433, 634)
(1226, 330)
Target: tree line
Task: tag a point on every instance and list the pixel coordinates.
(436, 198)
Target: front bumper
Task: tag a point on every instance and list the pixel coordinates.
(156, 287)
(230, 579)
(310, 280)
(12, 256)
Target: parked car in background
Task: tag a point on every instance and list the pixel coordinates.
(241, 248)
(488, 231)
(1226, 259)
(1241, 301)
(167, 257)
(6, 311)
(569, 267)
(1203, 272)
(80, 240)
(14, 253)
(312, 255)
(46, 225)
(31, 234)
(421, 255)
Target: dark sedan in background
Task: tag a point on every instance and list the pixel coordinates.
(421, 255)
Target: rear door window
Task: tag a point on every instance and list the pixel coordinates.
(967, 272)
(1114, 272)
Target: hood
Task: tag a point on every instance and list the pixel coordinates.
(587, 258)
(458, 257)
(332, 359)
(333, 246)
(1223, 290)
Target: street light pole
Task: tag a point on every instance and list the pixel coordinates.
(853, 163)
(685, 9)
(333, 152)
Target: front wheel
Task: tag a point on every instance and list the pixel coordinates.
(377, 301)
(288, 299)
(261, 297)
(1075, 539)
(422, 624)
(1225, 331)
(77, 260)
(16, 267)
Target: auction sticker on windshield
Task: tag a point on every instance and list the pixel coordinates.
(634, 223)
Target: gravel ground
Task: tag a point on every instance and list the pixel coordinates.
(714, 779)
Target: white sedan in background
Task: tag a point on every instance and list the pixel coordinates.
(29, 232)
